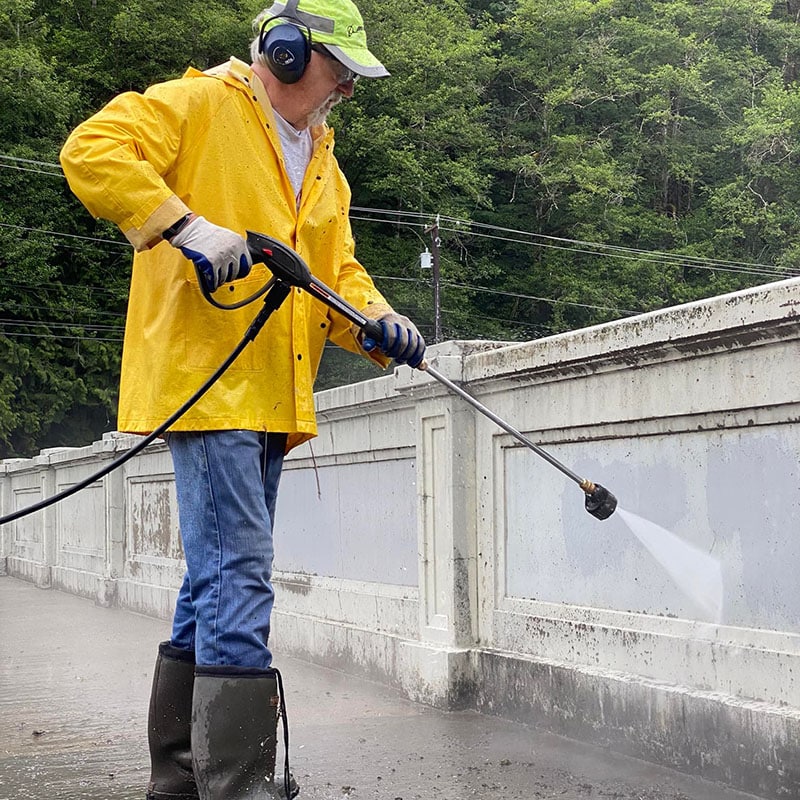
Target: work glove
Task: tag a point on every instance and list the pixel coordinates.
(401, 340)
(219, 253)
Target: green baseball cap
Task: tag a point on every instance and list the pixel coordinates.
(337, 24)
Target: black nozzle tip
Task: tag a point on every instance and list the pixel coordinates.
(600, 502)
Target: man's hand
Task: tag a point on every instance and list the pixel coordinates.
(220, 254)
(401, 340)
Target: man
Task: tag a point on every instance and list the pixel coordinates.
(185, 169)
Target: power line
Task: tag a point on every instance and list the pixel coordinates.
(49, 326)
(50, 168)
(395, 212)
(48, 286)
(30, 161)
(53, 324)
(18, 335)
(553, 301)
(28, 169)
(476, 229)
(519, 322)
(519, 295)
(393, 222)
(28, 229)
(469, 226)
(651, 256)
(421, 281)
(676, 256)
(68, 308)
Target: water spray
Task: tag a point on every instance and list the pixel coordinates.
(289, 267)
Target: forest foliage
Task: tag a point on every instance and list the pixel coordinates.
(585, 160)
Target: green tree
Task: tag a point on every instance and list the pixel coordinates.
(66, 275)
(573, 138)
(754, 211)
(108, 47)
(55, 369)
(419, 141)
(614, 116)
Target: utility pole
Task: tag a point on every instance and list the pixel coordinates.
(437, 309)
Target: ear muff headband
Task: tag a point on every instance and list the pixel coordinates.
(286, 48)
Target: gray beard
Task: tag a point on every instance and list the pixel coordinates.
(319, 116)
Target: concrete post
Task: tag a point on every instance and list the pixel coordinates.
(447, 523)
(114, 489)
(5, 508)
(48, 519)
(446, 532)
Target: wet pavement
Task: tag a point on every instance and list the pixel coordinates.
(75, 681)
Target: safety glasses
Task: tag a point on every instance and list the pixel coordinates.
(342, 73)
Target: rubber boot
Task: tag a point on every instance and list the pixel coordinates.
(235, 734)
(169, 726)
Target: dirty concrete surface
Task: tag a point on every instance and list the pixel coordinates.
(74, 686)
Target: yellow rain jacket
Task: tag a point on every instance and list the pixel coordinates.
(208, 143)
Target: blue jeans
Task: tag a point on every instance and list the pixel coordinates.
(227, 485)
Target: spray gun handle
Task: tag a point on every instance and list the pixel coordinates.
(373, 329)
(287, 266)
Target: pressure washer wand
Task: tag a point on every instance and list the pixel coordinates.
(454, 387)
(599, 501)
(290, 268)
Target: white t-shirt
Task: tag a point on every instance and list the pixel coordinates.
(297, 149)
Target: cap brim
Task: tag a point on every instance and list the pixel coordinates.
(361, 61)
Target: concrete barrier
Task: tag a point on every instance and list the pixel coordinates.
(419, 544)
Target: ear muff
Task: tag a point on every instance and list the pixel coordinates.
(286, 50)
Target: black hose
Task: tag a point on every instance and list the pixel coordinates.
(278, 292)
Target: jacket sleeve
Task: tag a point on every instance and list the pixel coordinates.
(115, 162)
